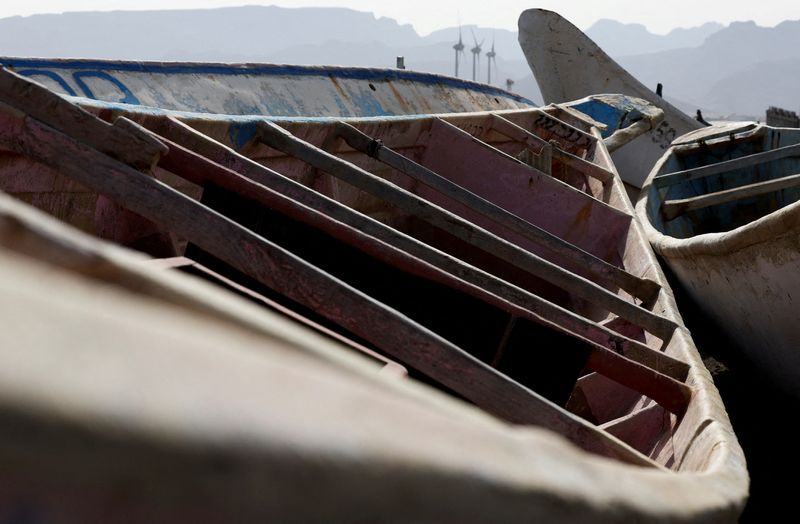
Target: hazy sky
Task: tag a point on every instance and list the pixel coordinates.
(428, 15)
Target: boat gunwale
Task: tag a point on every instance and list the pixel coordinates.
(776, 224)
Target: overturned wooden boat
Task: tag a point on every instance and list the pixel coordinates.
(721, 207)
(568, 65)
(490, 255)
(265, 89)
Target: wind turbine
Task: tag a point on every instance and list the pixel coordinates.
(490, 56)
(476, 52)
(459, 47)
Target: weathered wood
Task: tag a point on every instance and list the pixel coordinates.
(389, 367)
(520, 134)
(587, 138)
(641, 429)
(623, 136)
(670, 179)
(668, 392)
(202, 171)
(256, 178)
(674, 208)
(600, 269)
(140, 151)
(278, 138)
(293, 277)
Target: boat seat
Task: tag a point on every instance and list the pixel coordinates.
(676, 177)
(672, 209)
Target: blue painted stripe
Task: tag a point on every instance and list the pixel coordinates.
(29, 73)
(78, 76)
(356, 73)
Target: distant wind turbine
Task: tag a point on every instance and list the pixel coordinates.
(459, 47)
(491, 56)
(476, 52)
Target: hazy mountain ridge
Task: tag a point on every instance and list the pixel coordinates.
(741, 68)
(733, 71)
(618, 39)
(140, 35)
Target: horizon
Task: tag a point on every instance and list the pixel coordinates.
(466, 13)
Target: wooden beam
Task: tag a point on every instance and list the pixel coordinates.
(600, 270)
(672, 394)
(389, 367)
(293, 277)
(201, 170)
(192, 166)
(278, 138)
(674, 208)
(255, 175)
(666, 391)
(755, 159)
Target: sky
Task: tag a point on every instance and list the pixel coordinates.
(428, 15)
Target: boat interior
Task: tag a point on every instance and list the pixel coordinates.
(714, 182)
(491, 255)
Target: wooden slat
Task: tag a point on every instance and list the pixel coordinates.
(600, 270)
(138, 150)
(520, 134)
(672, 394)
(278, 138)
(674, 208)
(389, 367)
(755, 159)
(257, 180)
(302, 282)
(668, 392)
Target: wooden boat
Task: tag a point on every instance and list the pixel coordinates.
(721, 209)
(568, 65)
(265, 89)
(490, 255)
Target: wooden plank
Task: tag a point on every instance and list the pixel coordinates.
(601, 270)
(389, 367)
(755, 159)
(202, 171)
(303, 283)
(278, 138)
(668, 392)
(674, 208)
(256, 179)
(520, 134)
(641, 429)
(138, 150)
(196, 168)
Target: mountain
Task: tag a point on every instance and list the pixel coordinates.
(618, 39)
(736, 70)
(742, 68)
(250, 31)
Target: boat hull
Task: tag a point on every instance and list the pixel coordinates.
(568, 65)
(265, 89)
(745, 278)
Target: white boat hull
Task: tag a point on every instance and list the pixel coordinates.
(568, 65)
